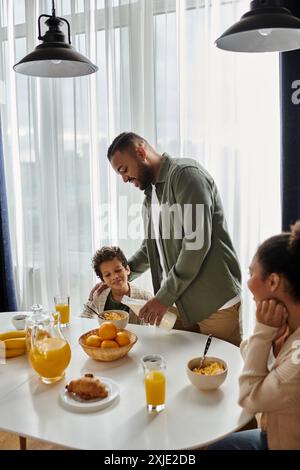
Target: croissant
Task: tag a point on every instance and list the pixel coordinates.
(87, 387)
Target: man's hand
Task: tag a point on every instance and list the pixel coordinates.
(271, 313)
(100, 287)
(153, 311)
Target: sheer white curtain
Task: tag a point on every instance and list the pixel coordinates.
(160, 75)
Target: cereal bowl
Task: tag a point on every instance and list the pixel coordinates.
(104, 354)
(206, 382)
(119, 318)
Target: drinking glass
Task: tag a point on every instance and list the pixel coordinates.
(62, 305)
(154, 366)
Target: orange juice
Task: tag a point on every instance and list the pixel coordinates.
(50, 357)
(64, 310)
(40, 335)
(155, 385)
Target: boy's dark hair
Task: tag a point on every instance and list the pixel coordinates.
(107, 253)
(281, 254)
(125, 141)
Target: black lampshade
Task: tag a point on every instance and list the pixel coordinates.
(267, 27)
(55, 60)
(55, 57)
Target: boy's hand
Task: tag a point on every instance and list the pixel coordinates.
(100, 287)
(271, 313)
(153, 311)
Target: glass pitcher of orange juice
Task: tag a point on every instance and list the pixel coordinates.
(50, 353)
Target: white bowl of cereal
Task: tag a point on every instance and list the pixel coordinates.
(210, 376)
(119, 318)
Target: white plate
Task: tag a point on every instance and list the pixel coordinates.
(86, 406)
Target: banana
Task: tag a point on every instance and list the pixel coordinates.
(12, 334)
(15, 343)
(14, 352)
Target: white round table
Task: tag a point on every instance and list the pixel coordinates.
(191, 419)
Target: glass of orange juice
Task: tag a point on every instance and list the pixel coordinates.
(62, 305)
(154, 366)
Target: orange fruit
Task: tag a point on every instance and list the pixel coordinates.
(93, 340)
(122, 338)
(109, 343)
(107, 330)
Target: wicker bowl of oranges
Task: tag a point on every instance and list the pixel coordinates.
(107, 343)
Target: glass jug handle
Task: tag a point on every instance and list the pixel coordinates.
(34, 333)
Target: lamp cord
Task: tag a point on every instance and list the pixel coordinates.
(53, 8)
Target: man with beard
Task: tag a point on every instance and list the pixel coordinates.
(197, 271)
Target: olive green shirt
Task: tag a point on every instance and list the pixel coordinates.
(202, 279)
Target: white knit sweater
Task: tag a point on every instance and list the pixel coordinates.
(276, 393)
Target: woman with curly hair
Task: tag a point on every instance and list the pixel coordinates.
(270, 380)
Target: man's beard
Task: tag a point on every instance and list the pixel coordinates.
(145, 176)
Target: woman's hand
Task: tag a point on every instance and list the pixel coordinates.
(98, 288)
(271, 313)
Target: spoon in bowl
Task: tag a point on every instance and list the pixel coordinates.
(205, 350)
(94, 311)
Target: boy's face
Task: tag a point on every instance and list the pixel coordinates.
(114, 274)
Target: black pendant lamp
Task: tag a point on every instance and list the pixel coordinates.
(267, 27)
(55, 57)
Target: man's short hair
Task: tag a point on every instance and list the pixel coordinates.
(107, 253)
(124, 142)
